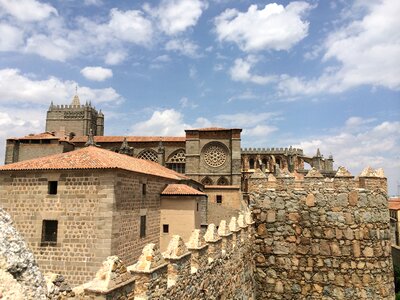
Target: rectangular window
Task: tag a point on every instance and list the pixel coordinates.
(219, 199)
(197, 204)
(144, 189)
(165, 228)
(142, 226)
(49, 232)
(52, 187)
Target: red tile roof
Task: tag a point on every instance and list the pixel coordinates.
(94, 158)
(227, 187)
(39, 136)
(180, 189)
(119, 139)
(394, 203)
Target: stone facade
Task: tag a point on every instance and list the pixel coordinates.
(98, 214)
(322, 240)
(75, 119)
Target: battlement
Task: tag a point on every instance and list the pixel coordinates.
(69, 106)
(216, 265)
(369, 179)
(290, 150)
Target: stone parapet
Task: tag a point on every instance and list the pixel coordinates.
(183, 271)
(322, 241)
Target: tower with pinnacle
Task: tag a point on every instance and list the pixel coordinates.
(75, 119)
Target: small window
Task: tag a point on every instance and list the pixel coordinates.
(49, 232)
(165, 228)
(142, 226)
(197, 206)
(144, 189)
(219, 199)
(52, 190)
(251, 163)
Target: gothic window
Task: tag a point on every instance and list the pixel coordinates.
(207, 181)
(177, 161)
(223, 181)
(214, 155)
(148, 154)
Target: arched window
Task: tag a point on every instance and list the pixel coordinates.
(177, 161)
(251, 163)
(265, 161)
(223, 181)
(148, 154)
(207, 181)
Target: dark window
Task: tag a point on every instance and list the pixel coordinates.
(251, 163)
(219, 199)
(52, 187)
(49, 232)
(177, 167)
(144, 189)
(142, 226)
(165, 228)
(45, 141)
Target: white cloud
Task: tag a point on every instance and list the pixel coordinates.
(131, 26)
(375, 145)
(96, 73)
(93, 2)
(53, 48)
(176, 16)
(245, 119)
(275, 27)
(186, 103)
(20, 88)
(11, 38)
(184, 47)
(115, 57)
(259, 131)
(28, 10)
(240, 71)
(367, 51)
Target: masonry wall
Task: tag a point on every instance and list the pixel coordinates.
(316, 242)
(130, 205)
(83, 208)
(182, 214)
(230, 206)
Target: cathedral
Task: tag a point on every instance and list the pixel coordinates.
(210, 156)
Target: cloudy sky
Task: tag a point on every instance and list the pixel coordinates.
(309, 74)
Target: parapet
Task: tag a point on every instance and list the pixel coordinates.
(286, 151)
(368, 179)
(204, 264)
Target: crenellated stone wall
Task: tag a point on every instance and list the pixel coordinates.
(322, 239)
(217, 265)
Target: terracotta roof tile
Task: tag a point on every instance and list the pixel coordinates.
(227, 187)
(394, 203)
(39, 136)
(180, 189)
(94, 158)
(120, 139)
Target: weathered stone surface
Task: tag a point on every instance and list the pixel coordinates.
(20, 277)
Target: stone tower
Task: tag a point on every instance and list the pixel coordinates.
(75, 119)
(213, 156)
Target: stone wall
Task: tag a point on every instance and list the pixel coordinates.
(217, 265)
(322, 239)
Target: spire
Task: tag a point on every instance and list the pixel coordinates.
(90, 141)
(318, 153)
(75, 100)
(51, 105)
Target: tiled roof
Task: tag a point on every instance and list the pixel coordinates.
(94, 158)
(227, 187)
(180, 189)
(394, 203)
(39, 136)
(120, 139)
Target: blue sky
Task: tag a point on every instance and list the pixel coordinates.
(309, 73)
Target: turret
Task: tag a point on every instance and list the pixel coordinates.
(100, 124)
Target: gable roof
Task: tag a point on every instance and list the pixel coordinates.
(94, 158)
(181, 189)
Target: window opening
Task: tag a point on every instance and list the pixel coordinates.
(165, 228)
(52, 187)
(219, 199)
(49, 232)
(142, 226)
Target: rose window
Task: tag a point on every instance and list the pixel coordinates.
(214, 156)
